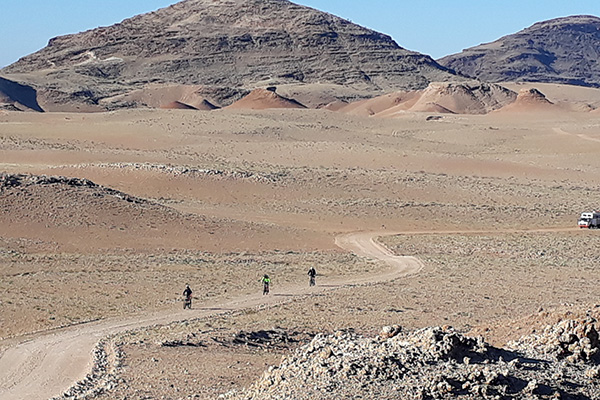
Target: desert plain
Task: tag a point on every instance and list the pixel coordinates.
(106, 216)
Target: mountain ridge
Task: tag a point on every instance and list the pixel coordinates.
(227, 43)
(560, 50)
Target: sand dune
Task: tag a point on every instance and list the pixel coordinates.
(262, 99)
(377, 105)
(431, 106)
(439, 97)
(530, 100)
(576, 98)
(478, 98)
(464, 98)
(165, 96)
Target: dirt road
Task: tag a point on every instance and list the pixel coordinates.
(44, 366)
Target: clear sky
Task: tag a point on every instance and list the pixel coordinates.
(434, 27)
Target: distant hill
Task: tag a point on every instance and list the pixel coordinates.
(562, 50)
(239, 44)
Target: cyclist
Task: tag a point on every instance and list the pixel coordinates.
(312, 273)
(266, 283)
(187, 293)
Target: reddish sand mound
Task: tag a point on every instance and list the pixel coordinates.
(530, 100)
(179, 97)
(431, 107)
(575, 98)
(377, 105)
(177, 105)
(440, 97)
(463, 98)
(262, 99)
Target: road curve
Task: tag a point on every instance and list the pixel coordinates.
(45, 366)
(364, 244)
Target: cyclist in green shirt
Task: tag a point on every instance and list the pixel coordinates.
(266, 283)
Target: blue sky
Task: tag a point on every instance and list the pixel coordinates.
(434, 27)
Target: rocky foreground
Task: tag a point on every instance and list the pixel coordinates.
(438, 363)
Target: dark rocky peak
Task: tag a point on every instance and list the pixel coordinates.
(228, 44)
(561, 50)
(251, 23)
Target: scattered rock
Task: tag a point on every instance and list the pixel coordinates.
(571, 340)
(431, 363)
(265, 338)
(390, 331)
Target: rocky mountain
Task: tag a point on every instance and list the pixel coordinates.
(563, 50)
(239, 44)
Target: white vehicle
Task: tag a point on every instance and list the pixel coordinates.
(590, 220)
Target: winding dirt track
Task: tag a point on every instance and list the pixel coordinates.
(44, 366)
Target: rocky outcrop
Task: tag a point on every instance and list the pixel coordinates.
(437, 363)
(9, 181)
(15, 180)
(563, 50)
(224, 44)
(571, 340)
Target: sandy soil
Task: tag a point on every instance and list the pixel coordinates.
(229, 195)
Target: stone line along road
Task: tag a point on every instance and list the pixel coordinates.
(44, 366)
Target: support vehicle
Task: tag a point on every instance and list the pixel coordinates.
(590, 220)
